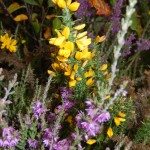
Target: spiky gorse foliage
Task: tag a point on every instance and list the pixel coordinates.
(73, 58)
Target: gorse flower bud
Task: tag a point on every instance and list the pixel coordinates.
(74, 6)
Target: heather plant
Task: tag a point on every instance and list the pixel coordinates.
(83, 105)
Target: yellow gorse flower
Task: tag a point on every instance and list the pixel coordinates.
(91, 141)
(79, 27)
(100, 39)
(103, 67)
(110, 132)
(72, 83)
(74, 6)
(118, 120)
(8, 43)
(90, 73)
(90, 82)
(121, 114)
(51, 73)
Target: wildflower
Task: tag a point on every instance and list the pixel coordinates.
(69, 45)
(10, 137)
(64, 52)
(110, 132)
(100, 39)
(62, 144)
(61, 3)
(83, 43)
(85, 11)
(72, 75)
(103, 117)
(66, 93)
(66, 32)
(8, 43)
(80, 35)
(90, 81)
(51, 73)
(121, 114)
(78, 78)
(91, 141)
(75, 67)
(33, 143)
(72, 83)
(50, 136)
(103, 67)
(79, 27)
(92, 128)
(90, 73)
(38, 109)
(118, 120)
(128, 45)
(74, 6)
(56, 66)
(58, 41)
(116, 17)
(84, 55)
(143, 45)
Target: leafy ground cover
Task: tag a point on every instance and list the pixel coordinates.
(74, 74)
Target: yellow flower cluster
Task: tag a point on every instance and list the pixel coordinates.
(73, 45)
(117, 121)
(8, 43)
(67, 4)
(67, 50)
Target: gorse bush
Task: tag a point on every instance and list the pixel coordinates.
(85, 103)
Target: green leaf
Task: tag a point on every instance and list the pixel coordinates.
(136, 24)
(56, 24)
(13, 7)
(31, 2)
(36, 26)
(34, 16)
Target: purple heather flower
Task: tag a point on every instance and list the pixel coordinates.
(33, 143)
(103, 117)
(66, 93)
(38, 109)
(85, 10)
(68, 102)
(62, 145)
(116, 17)
(50, 135)
(93, 119)
(143, 45)
(92, 128)
(128, 45)
(10, 137)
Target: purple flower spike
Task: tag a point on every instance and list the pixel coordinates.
(116, 17)
(10, 138)
(33, 143)
(66, 95)
(128, 45)
(85, 10)
(38, 109)
(143, 45)
(103, 117)
(92, 121)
